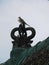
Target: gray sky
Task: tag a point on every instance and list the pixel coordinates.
(34, 12)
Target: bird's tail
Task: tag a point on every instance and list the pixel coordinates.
(28, 24)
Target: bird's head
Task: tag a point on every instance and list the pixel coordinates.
(20, 20)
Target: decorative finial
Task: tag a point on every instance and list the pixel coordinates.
(22, 40)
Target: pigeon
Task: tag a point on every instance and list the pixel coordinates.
(22, 21)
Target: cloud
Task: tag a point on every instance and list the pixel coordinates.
(34, 12)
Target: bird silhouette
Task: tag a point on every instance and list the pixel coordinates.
(22, 21)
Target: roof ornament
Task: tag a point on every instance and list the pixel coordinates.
(22, 40)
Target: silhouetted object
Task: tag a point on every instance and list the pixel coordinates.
(22, 30)
(36, 55)
(22, 21)
(23, 54)
(22, 40)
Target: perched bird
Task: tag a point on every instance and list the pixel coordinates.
(22, 21)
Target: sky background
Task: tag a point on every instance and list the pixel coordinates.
(34, 12)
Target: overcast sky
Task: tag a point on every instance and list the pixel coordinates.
(34, 12)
